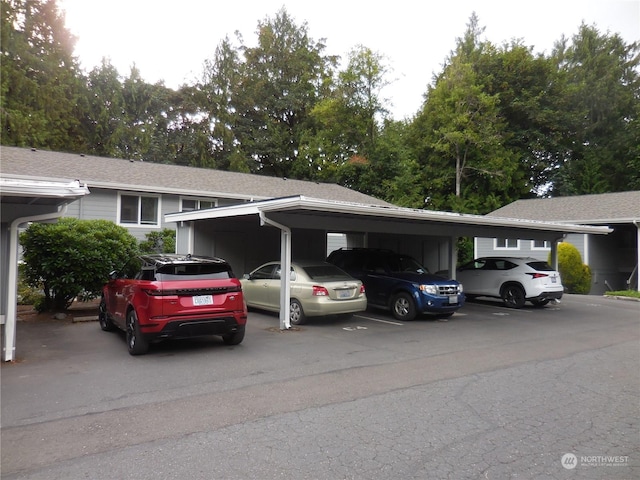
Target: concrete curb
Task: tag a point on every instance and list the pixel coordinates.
(618, 297)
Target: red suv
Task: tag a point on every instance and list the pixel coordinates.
(174, 296)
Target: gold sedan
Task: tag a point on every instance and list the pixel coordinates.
(317, 289)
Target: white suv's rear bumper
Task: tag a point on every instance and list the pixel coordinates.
(555, 295)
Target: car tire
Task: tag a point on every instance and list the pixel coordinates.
(513, 296)
(103, 317)
(234, 338)
(296, 313)
(403, 307)
(540, 303)
(136, 343)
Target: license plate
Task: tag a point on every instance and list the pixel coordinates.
(553, 280)
(453, 298)
(344, 293)
(203, 300)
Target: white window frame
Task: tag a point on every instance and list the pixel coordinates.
(138, 223)
(506, 247)
(214, 201)
(546, 247)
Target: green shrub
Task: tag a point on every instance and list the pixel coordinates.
(465, 250)
(27, 295)
(576, 276)
(159, 242)
(73, 257)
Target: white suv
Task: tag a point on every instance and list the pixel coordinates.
(514, 280)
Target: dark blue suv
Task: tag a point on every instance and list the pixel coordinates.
(399, 283)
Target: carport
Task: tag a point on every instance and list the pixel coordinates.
(25, 201)
(250, 234)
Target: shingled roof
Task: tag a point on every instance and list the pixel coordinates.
(621, 207)
(119, 174)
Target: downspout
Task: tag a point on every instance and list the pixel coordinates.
(554, 251)
(9, 347)
(285, 269)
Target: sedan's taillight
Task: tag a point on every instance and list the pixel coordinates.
(362, 288)
(537, 275)
(319, 291)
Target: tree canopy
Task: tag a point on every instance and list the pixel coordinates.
(498, 122)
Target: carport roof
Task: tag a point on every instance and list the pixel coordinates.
(313, 213)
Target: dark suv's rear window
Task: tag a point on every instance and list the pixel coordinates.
(541, 266)
(194, 272)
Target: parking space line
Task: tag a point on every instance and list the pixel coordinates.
(373, 319)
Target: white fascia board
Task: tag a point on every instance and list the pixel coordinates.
(239, 210)
(306, 203)
(450, 217)
(604, 221)
(42, 189)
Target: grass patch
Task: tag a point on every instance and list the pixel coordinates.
(624, 293)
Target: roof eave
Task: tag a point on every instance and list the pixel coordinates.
(41, 189)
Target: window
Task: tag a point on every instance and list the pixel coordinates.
(506, 243)
(540, 245)
(139, 210)
(189, 204)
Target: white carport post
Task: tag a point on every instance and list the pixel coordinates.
(9, 347)
(554, 252)
(285, 270)
(635, 222)
(453, 257)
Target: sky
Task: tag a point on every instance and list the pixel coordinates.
(170, 40)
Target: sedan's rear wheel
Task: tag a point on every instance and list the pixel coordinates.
(403, 307)
(513, 296)
(296, 313)
(136, 343)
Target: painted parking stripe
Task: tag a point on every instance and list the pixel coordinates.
(373, 319)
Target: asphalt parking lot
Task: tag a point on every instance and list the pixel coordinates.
(549, 392)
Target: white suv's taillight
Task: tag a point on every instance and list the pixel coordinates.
(537, 275)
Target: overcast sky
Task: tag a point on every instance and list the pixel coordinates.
(169, 40)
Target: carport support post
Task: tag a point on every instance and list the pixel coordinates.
(453, 257)
(9, 346)
(553, 254)
(285, 270)
(285, 279)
